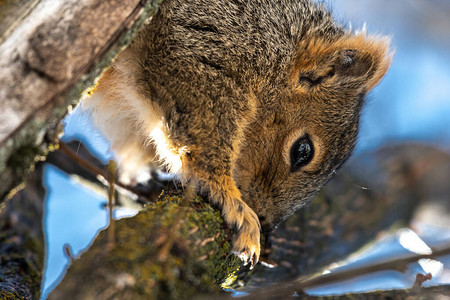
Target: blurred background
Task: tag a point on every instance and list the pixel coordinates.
(410, 105)
(412, 102)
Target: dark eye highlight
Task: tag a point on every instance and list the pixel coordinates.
(302, 152)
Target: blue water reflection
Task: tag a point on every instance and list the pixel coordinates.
(73, 216)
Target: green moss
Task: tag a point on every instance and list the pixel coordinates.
(196, 262)
(23, 156)
(9, 295)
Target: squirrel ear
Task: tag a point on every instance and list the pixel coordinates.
(354, 56)
(364, 57)
(351, 63)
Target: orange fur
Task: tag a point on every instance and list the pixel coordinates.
(311, 54)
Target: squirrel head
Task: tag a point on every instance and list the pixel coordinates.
(308, 128)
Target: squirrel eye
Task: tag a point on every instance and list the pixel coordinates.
(302, 152)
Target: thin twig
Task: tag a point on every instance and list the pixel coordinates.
(96, 170)
(395, 264)
(111, 202)
(420, 279)
(68, 252)
(81, 161)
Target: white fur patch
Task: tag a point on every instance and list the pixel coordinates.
(170, 156)
(132, 124)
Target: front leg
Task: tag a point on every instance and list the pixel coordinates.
(211, 160)
(237, 214)
(210, 123)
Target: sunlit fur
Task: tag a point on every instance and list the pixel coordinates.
(220, 90)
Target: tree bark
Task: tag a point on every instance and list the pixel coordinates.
(22, 241)
(50, 52)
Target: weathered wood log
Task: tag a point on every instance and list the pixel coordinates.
(50, 52)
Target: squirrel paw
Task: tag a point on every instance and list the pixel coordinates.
(247, 247)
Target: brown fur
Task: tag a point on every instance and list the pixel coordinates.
(221, 90)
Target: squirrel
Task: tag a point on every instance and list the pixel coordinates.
(256, 101)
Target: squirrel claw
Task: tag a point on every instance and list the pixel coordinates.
(253, 258)
(247, 246)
